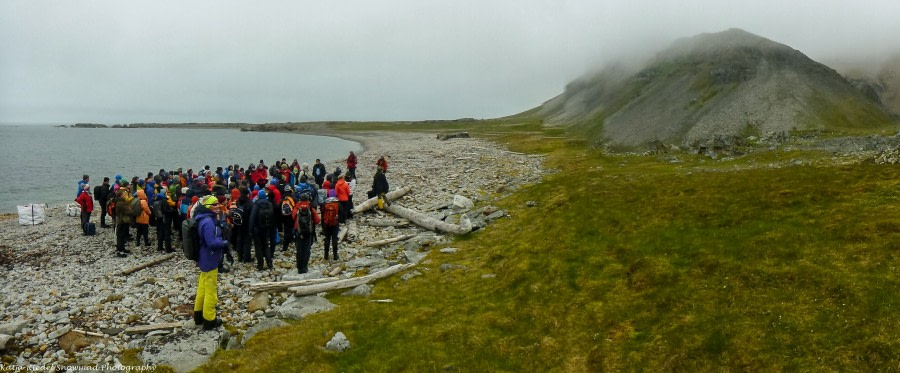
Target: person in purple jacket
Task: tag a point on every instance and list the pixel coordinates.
(212, 245)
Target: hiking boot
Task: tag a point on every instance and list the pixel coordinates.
(259, 268)
(121, 254)
(210, 325)
(126, 251)
(198, 317)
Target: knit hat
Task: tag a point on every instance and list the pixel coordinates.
(209, 201)
(261, 195)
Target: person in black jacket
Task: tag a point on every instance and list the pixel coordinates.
(380, 185)
(262, 228)
(319, 172)
(101, 194)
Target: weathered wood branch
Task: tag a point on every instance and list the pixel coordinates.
(372, 202)
(386, 223)
(283, 285)
(350, 282)
(147, 264)
(141, 329)
(390, 240)
(430, 223)
(92, 334)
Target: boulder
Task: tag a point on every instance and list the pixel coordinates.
(161, 303)
(262, 326)
(5, 341)
(359, 291)
(297, 308)
(462, 203)
(414, 256)
(13, 327)
(260, 301)
(73, 342)
(338, 343)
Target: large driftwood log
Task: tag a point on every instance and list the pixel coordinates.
(428, 222)
(352, 231)
(386, 223)
(283, 285)
(372, 202)
(342, 233)
(149, 328)
(348, 283)
(390, 240)
(147, 264)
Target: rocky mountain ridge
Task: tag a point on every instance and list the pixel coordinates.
(731, 83)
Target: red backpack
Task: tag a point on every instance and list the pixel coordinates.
(330, 215)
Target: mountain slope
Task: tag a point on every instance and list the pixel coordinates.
(726, 83)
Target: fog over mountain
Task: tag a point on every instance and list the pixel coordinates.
(228, 61)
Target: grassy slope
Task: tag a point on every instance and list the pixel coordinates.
(631, 264)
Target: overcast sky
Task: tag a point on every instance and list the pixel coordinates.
(274, 61)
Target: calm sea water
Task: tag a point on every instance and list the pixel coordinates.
(43, 164)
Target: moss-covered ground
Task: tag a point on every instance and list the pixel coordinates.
(633, 263)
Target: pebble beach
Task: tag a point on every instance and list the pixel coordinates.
(64, 299)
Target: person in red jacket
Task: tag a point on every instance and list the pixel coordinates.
(351, 165)
(86, 201)
(343, 195)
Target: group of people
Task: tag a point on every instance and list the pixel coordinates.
(232, 207)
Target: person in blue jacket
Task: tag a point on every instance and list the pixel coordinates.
(84, 180)
(212, 245)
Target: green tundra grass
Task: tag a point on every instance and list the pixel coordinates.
(634, 263)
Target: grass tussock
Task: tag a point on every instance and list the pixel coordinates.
(629, 263)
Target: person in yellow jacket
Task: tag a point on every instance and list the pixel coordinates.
(143, 220)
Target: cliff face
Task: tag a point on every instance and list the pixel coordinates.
(728, 83)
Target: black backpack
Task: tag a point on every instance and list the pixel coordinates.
(89, 229)
(157, 209)
(304, 222)
(237, 215)
(190, 236)
(266, 215)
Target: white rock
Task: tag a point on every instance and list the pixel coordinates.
(338, 343)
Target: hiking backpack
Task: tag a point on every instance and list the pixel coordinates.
(330, 215)
(266, 215)
(287, 206)
(135, 209)
(157, 209)
(89, 229)
(304, 221)
(321, 196)
(237, 214)
(190, 236)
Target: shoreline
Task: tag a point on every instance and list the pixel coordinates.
(56, 280)
(364, 141)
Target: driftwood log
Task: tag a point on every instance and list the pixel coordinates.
(348, 283)
(372, 202)
(430, 223)
(141, 329)
(147, 264)
(386, 223)
(390, 240)
(283, 285)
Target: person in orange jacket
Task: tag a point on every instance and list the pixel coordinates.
(343, 195)
(143, 220)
